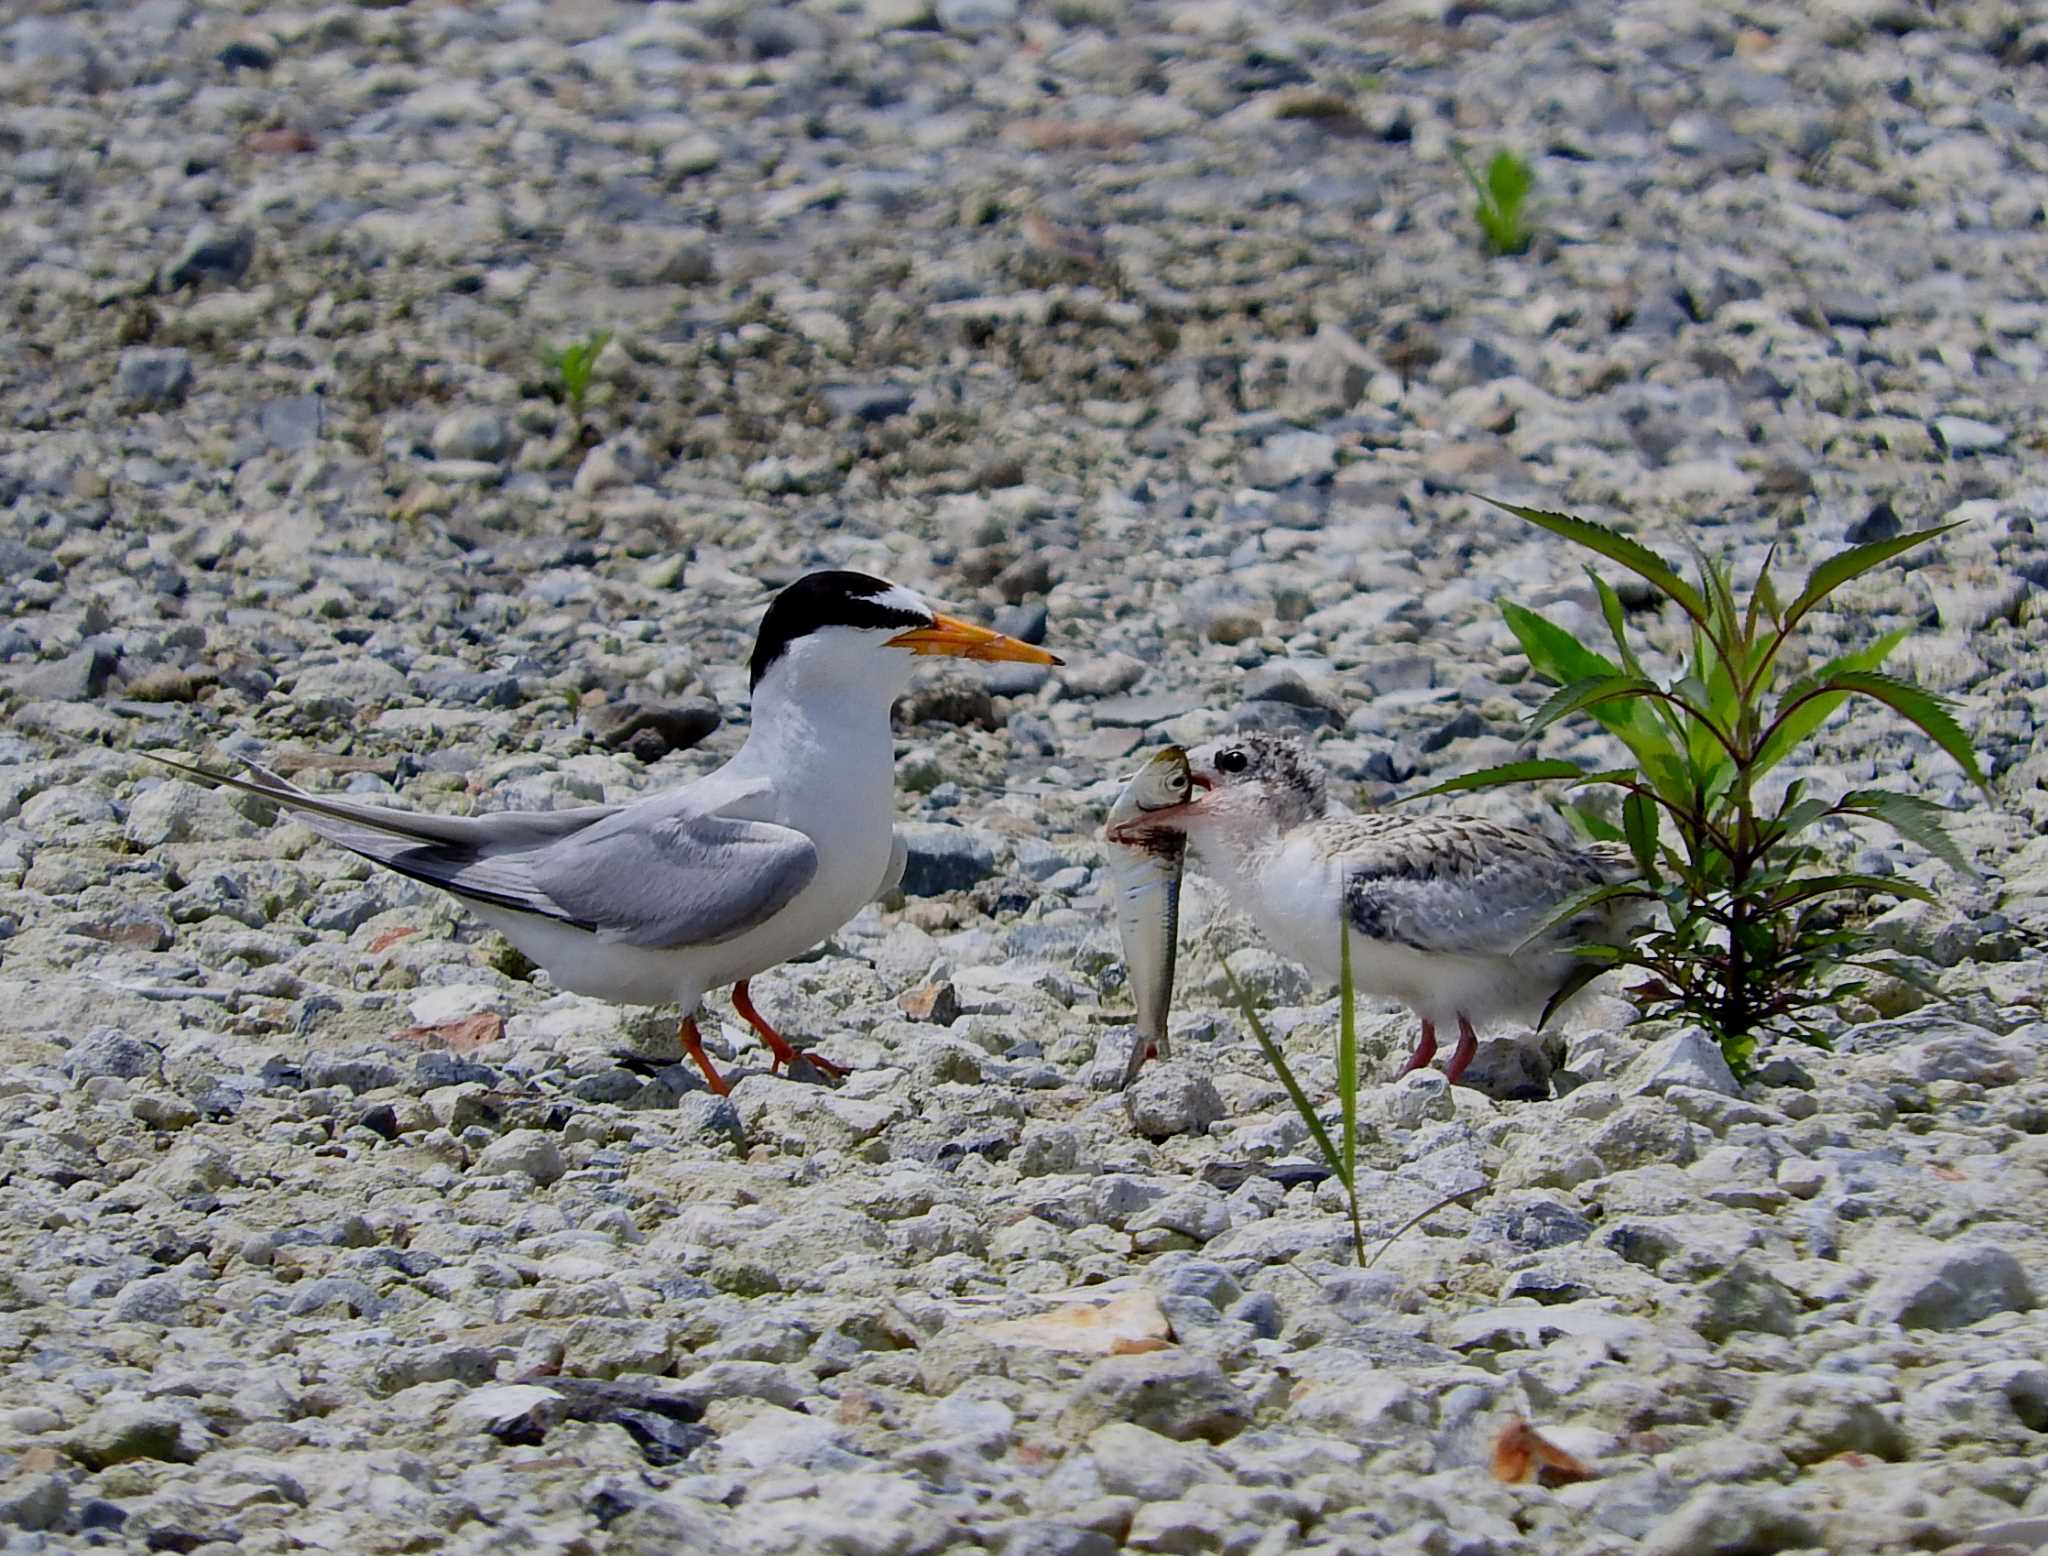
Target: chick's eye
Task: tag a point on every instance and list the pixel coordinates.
(1231, 761)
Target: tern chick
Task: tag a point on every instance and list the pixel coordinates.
(708, 884)
(1439, 905)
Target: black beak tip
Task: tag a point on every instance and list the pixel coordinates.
(1056, 659)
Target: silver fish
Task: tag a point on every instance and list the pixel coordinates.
(1145, 872)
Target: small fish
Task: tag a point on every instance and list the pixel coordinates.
(1146, 875)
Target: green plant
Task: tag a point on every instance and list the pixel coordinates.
(1502, 195)
(572, 366)
(1342, 1161)
(1751, 930)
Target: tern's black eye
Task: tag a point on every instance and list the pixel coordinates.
(1232, 761)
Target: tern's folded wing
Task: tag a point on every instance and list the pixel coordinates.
(1455, 885)
(681, 878)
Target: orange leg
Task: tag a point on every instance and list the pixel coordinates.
(693, 1045)
(779, 1048)
(1424, 1050)
(1468, 1045)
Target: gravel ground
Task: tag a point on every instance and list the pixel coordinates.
(1158, 329)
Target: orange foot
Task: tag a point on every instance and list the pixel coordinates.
(779, 1047)
(693, 1045)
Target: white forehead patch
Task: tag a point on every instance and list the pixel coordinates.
(898, 598)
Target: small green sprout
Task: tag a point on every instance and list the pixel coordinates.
(572, 366)
(1502, 196)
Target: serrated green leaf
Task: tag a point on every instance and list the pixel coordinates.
(1637, 558)
(1913, 818)
(1809, 887)
(1584, 901)
(1840, 568)
(1534, 771)
(1552, 652)
(1619, 777)
(1793, 727)
(1583, 696)
(1921, 708)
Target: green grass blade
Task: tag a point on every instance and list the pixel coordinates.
(1637, 558)
(1922, 709)
(1913, 818)
(1278, 1061)
(1838, 569)
(1493, 777)
(1347, 1075)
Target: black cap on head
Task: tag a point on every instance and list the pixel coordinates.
(830, 599)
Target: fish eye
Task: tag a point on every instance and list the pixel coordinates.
(1232, 761)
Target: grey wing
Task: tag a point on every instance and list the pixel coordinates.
(1457, 887)
(669, 871)
(666, 874)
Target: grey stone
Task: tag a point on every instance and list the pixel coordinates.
(1733, 1520)
(940, 859)
(472, 433)
(77, 677)
(211, 255)
(530, 1152)
(1688, 1058)
(973, 18)
(1102, 675)
(867, 402)
(1132, 1461)
(1177, 1395)
(110, 1051)
(154, 379)
(1291, 456)
(620, 726)
(1819, 1415)
(1949, 1288)
(1172, 1098)
(1966, 435)
(126, 1429)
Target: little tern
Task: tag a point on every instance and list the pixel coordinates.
(1439, 906)
(705, 885)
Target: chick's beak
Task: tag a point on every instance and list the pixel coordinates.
(963, 640)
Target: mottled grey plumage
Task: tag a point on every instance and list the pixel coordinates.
(1460, 884)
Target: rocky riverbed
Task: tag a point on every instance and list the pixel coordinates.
(1159, 331)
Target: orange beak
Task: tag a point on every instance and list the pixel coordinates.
(963, 640)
